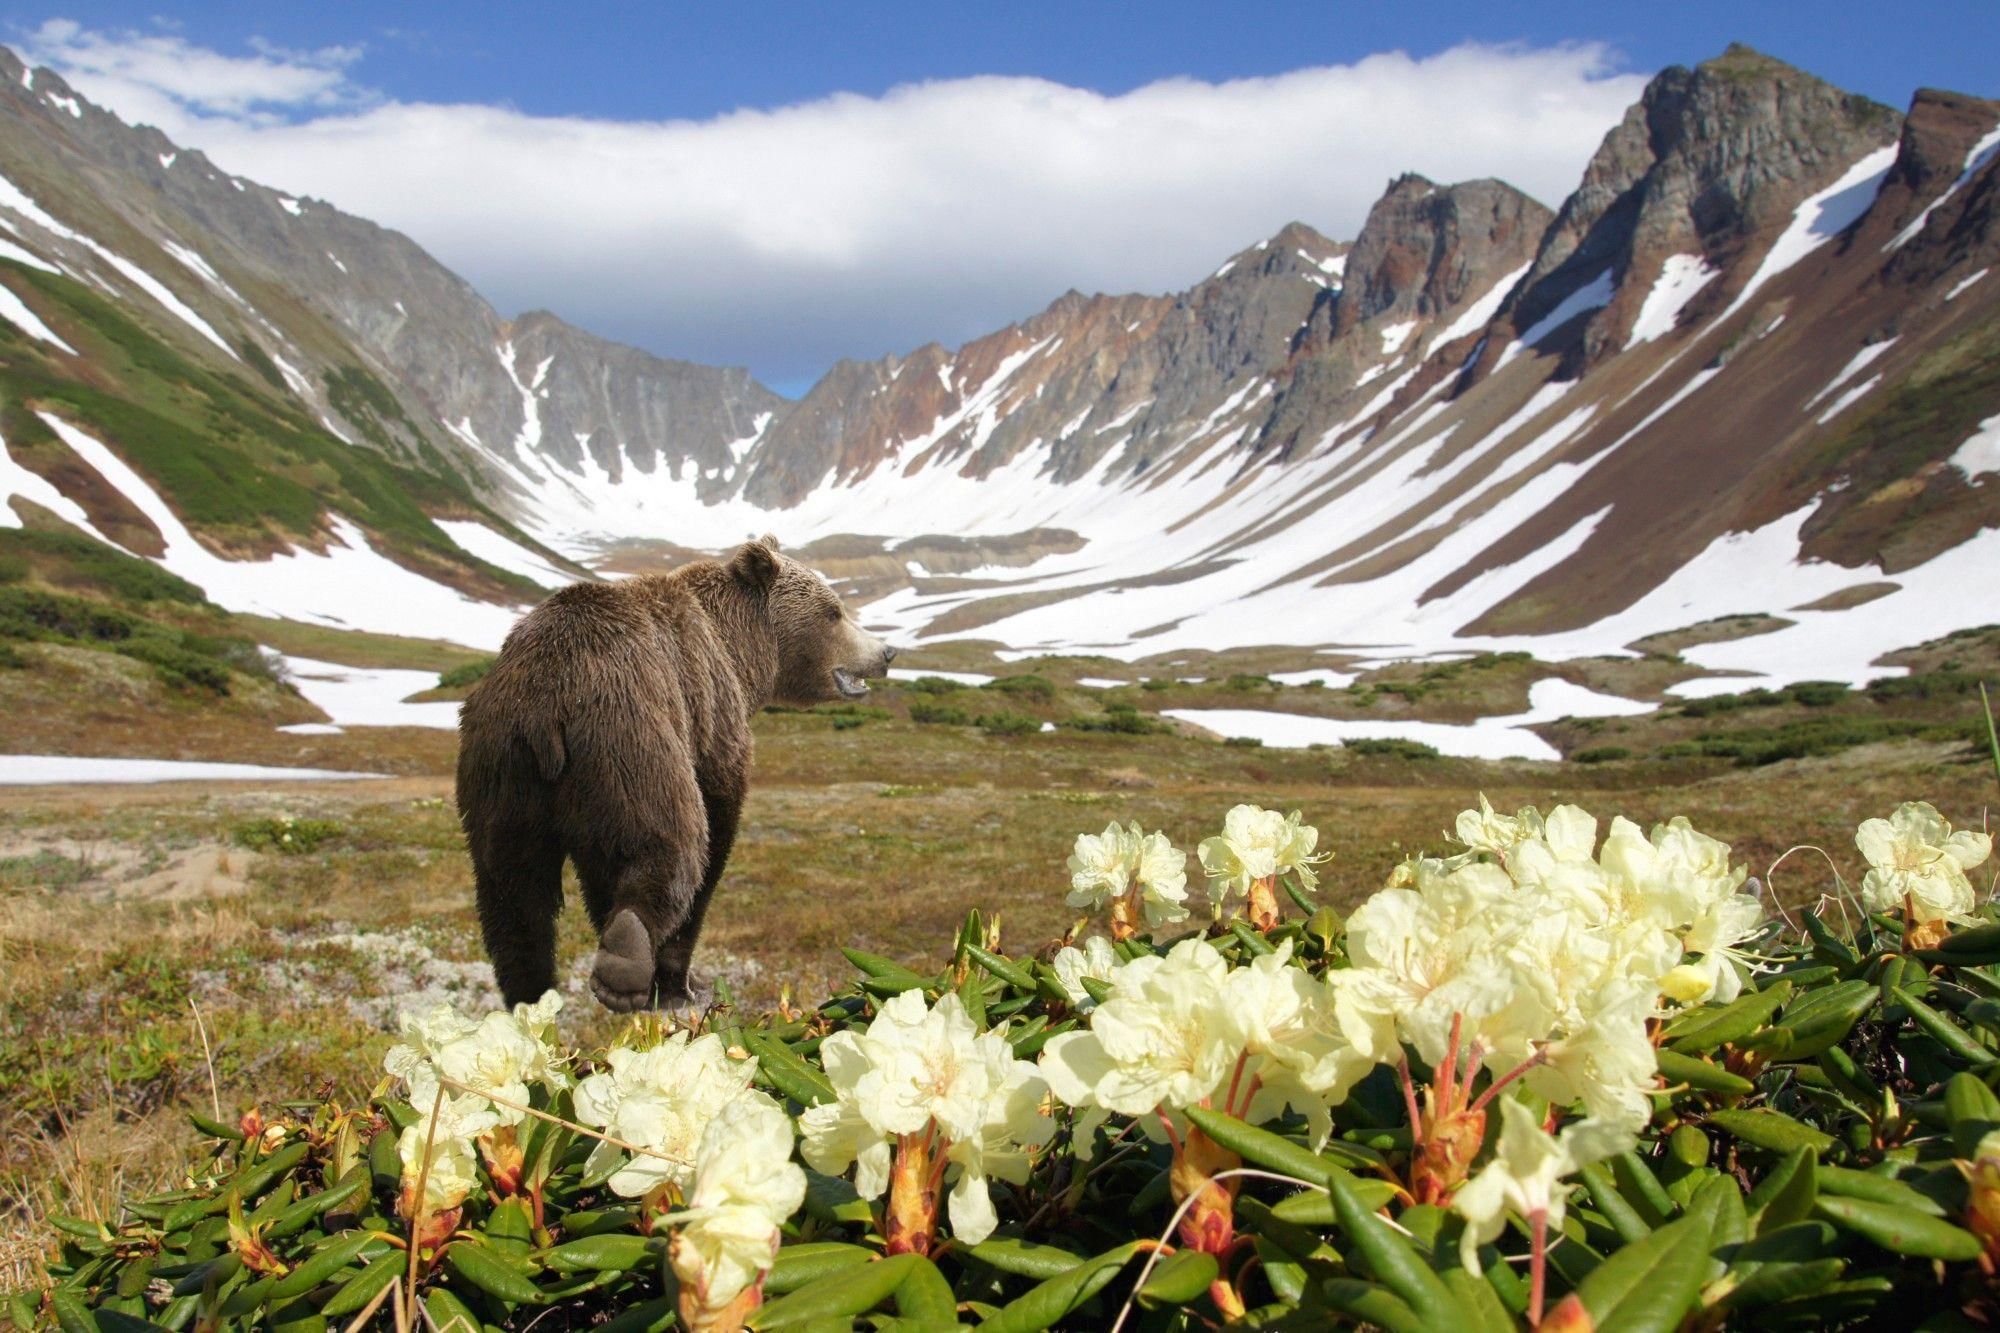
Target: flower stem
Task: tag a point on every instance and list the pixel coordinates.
(1538, 1265)
(1539, 1057)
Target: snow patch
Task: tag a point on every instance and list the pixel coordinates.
(290, 205)
(1681, 279)
(494, 549)
(1395, 335)
(1960, 286)
(961, 677)
(15, 311)
(1847, 400)
(1860, 361)
(1980, 454)
(1819, 219)
(368, 696)
(17, 770)
(1591, 296)
(1488, 738)
(1480, 313)
(1980, 154)
(349, 586)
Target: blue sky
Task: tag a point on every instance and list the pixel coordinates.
(761, 184)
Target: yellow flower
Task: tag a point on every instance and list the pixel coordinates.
(1258, 845)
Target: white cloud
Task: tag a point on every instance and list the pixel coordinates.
(853, 225)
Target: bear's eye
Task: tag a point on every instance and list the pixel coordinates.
(833, 613)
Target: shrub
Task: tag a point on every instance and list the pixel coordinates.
(285, 835)
(1246, 683)
(1244, 742)
(849, 723)
(13, 568)
(1029, 686)
(1004, 723)
(1125, 723)
(930, 685)
(1389, 747)
(942, 715)
(1601, 754)
(1818, 693)
(463, 677)
(1156, 683)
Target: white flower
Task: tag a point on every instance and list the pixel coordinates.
(1257, 844)
(502, 1054)
(454, 1163)
(1100, 869)
(915, 1068)
(1096, 960)
(1483, 830)
(1106, 866)
(1915, 858)
(1526, 1172)
(1298, 1057)
(745, 1186)
(1163, 1038)
(662, 1099)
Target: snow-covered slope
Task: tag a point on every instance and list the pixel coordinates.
(1748, 366)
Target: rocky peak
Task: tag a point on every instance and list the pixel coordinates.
(1709, 161)
(1427, 249)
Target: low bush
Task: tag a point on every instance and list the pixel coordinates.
(1601, 754)
(1393, 748)
(1244, 742)
(285, 835)
(930, 685)
(1004, 723)
(464, 677)
(1028, 686)
(1246, 683)
(943, 715)
(1128, 722)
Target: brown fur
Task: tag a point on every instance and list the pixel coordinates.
(614, 731)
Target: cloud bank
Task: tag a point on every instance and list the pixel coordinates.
(852, 226)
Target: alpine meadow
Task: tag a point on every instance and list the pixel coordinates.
(1437, 776)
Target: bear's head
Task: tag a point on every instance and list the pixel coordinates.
(823, 653)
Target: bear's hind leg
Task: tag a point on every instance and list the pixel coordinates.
(518, 879)
(676, 953)
(654, 892)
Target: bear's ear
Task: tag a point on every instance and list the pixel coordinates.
(768, 540)
(755, 566)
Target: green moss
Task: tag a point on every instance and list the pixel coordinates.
(1398, 749)
(459, 677)
(182, 658)
(1028, 686)
(70, 559)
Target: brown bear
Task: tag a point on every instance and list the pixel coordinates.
(614, 730)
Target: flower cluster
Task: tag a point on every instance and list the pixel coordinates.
(1917, 865)
(663, 1100)
(924, 1096)
(744, 1186)
(1129, 874)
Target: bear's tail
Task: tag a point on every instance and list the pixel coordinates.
(544, 737)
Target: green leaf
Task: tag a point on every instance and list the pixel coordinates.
(215, 1129)
(480, 1266)
(877, 968)
(1848, 1184)
(1641, 1187)
(324, 1263)
(1623, 1217)
(1372, 1304)
(1650, 1286)
(1771, 1130)
(786, 1072)
(841, 1295)
(1902, 1230)
(1310, 1208)
(1786, 1193)
(1825, 1017)
(295, 1218)
(364, 1286)
(1976, 946)
(1005, 969)
(925, 1298)
(1772, 1283)
(597, 1253)
(1701, 1075)
(801, 1265)
(448, 1313)
(1023, 1258)
(1704, 1029)
(1054, 1299)
(1974, 1111)
(1390, 1258)
(654, 1316)
(1948, 1034)
(1261, 1147)
(1179, 1280)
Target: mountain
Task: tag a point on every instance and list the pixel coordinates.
(1747, 366)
